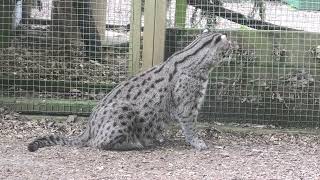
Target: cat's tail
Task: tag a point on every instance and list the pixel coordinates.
(53, 140)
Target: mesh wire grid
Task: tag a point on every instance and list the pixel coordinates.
(63, 56)
(272, 75)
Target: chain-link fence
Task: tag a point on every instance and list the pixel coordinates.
(60, 56)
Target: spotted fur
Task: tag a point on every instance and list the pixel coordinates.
(134, 113)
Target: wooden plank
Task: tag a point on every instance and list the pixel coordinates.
(148, 33)
(64, 19)
(26, 10)
(154, 31)
(48, 106)
(99, 8)
(181, 12)
(135, 37)
(160, 26)
(6, 10)
(53, 85)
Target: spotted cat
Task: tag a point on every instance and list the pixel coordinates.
(134, 113)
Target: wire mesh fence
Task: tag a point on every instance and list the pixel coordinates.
(272, 76)
(61, 56)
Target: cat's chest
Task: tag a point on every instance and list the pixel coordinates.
(201, 93)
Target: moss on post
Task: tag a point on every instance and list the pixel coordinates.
(181, 9)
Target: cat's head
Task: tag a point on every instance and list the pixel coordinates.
(220, 47)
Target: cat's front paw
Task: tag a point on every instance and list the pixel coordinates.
(198, 144)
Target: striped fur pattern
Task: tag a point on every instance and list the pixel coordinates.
(133, 115)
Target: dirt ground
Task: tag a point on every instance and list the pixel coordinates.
(235, 152)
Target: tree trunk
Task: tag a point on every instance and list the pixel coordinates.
(6, 10)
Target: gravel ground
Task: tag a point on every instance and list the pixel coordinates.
(235, 152)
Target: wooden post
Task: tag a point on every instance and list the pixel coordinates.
(6, 9)
(26, 10)
(64, 20)
(181, 10)
(135, 37)
(99, 15)
(154, 33)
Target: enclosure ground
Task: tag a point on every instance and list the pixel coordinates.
(235, 152)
